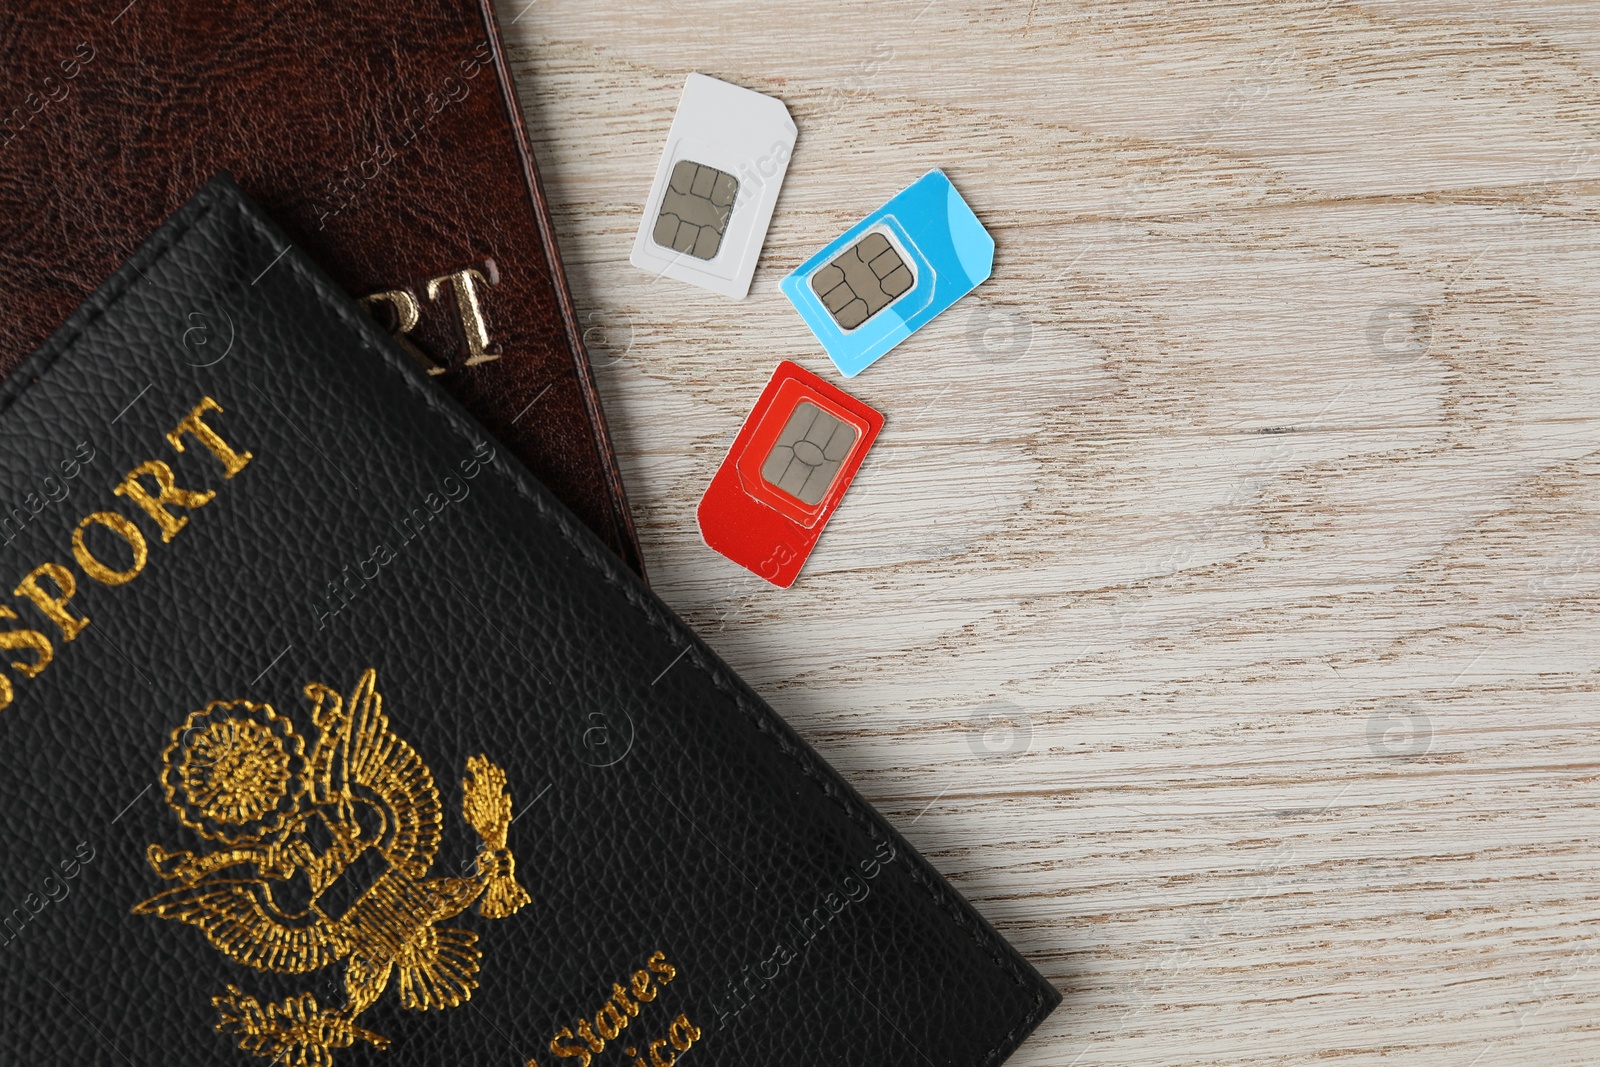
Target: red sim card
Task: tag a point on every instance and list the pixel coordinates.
(786, 473)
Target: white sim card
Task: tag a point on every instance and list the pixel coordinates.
(715, 187)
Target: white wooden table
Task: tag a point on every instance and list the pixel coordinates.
(1219, 608)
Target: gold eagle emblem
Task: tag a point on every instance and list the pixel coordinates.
(321, 858)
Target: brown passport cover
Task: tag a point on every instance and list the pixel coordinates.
(383, 135)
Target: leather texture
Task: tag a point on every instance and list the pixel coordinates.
(654, 815)
(386, 138)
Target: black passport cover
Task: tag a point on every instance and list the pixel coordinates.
(330, 737)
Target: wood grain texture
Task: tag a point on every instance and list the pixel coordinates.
(1219, 608)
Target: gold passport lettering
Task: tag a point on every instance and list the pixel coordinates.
(194, 423)
(468, 308)
(406, 316)
(152, 487)
(169, 493)
(92, 565)
(587, 1038)
(322, 858)
(460, 287)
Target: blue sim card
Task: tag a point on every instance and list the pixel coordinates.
(892, 272)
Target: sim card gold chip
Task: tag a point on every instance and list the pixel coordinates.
(808, 453)
(695, 209)
(863, 280)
